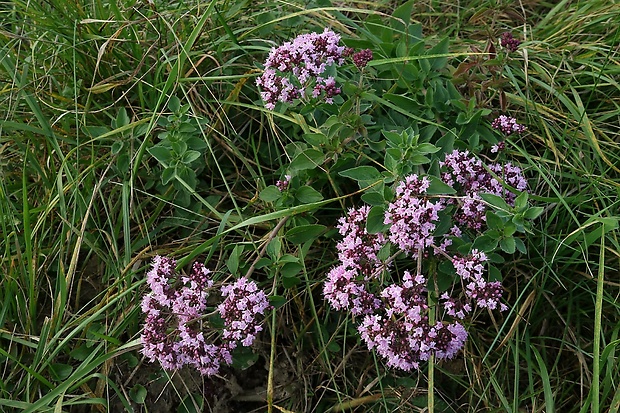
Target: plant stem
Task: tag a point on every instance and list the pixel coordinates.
(431, 321)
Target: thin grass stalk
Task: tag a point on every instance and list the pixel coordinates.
(272, 359)
(598, 313)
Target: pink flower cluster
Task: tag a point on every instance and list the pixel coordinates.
(291, 67)
(361, 58)
(241, 311)
(282, 184)
(394, 319)
(471, 178)
(412, 216)
(174, 329)
(485, 294)
(357, 251)
(507, 125)
(400, 332)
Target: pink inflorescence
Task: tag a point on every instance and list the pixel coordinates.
(498, 147)
(509, 42)
(401, 332)
(344, 290)
(283, 184)
(507, 125)
(471, 270)
(361, 58)
(242, 311)
(412, 216)
(471, 178)
(394, 320)
(291, 67)
(358, 253)
(173, 331)
(358, 249)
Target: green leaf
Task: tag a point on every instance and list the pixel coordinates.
(373, 198)
(418, 159)
(315, 139)
(179, 147)
(233, 260)
(161, 153)
(407, 382)
(168, 174)
(263, 262)
(190, 156)
(308, 195)
(117, 147)
(121, 118)
(427, 148)
(509, 229)
(485, 243)
(122, 163)
(288, 258)
(291, 269)
(277, 301)
(82, 352)
(385, 252)
(290, 282)
(192, 403)
(494, 274)
(496, 201)
(362, 173)
(520, 245)
(333, 347)
(374, 222)
(274, 248)
(533, 212)
(303, 233)
(402, 16)
(438, 187)
(270, 194)
(521, 201)
(493, 221)
(60, 371)
(243, 357)
(308, 159)
(508, 245)
(138, 394)
(174, 104)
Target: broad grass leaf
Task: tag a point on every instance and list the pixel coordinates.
(303, 233)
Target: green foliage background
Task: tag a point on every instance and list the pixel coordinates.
(91, 89)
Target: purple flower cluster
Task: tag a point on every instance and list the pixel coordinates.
(498, 147)
(357, 251)
(507, 125)
(291, 67)
(402, 334)
(175, 309)
(344, 290)
(509, 42)
(412, 216)
(471, 270)
(283, 184)
(471, 178)
(361, 58)
(394, 319)
(242, 311)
